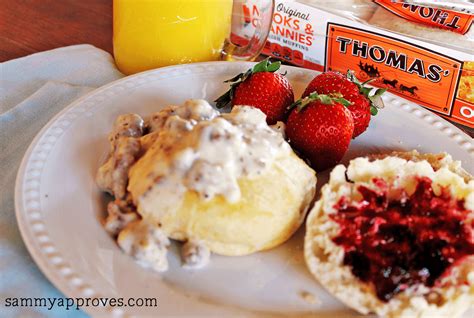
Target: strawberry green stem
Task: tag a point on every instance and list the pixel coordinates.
(326, 99)
(264, 66)
(375, 99)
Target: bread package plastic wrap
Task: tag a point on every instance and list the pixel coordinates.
(420, 50)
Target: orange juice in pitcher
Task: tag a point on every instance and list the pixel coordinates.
(155, 33)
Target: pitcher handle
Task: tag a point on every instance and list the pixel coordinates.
(249, 52)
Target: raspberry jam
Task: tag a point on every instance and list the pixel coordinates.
(397, 244)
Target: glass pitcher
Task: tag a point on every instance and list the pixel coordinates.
(155, 33)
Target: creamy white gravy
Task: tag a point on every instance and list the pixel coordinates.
(190, 147)
(200, 149)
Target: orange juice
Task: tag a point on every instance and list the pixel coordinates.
(154, 33)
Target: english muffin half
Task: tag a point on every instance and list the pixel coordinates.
(393, 235)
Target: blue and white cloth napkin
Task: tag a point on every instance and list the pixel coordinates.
(32, 90)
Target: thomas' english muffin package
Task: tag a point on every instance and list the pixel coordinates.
(420, 50)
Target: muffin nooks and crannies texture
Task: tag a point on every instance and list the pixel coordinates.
(393, 235)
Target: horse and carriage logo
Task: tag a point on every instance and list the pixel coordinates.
(371, 72)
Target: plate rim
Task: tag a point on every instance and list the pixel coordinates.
(28, 236)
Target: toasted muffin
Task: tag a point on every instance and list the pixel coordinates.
(393, 235)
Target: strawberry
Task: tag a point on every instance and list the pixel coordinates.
(363, 104)
(320, 128)
(360, 110)
(262, 88)
(331, 82)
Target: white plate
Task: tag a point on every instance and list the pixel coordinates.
(59, 207)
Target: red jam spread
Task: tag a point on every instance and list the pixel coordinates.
(397, 244)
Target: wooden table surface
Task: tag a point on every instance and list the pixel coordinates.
(29, 26)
